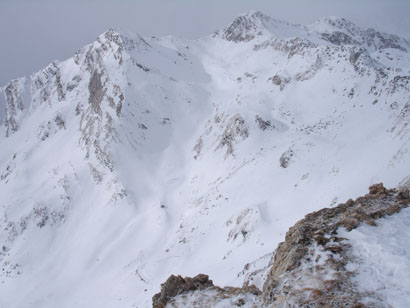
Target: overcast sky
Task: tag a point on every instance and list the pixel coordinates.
(35, 32)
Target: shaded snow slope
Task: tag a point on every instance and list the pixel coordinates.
(138, 158)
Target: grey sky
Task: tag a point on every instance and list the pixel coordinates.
(35, 32)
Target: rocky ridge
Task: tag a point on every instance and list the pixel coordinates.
(334, 30)
(309, 268)
(176, 286)
(142, 155)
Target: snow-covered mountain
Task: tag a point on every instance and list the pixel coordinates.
(138, 158)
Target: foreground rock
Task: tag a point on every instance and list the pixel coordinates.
(176, 285)
(177, 291)
(309, 267)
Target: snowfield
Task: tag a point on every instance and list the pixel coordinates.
(138, 158)
(382, 259)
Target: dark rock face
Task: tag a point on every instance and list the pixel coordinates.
(263, 124)
(240, 30)
(53, 71)
(309, 267)
(176, 285)
(382, 40)
(14, 103)
(245, 28)
(286, 158)
(21, 94)
(339, 38)
(235, 131)
(276, 80)
(97, 92)
(349, 33)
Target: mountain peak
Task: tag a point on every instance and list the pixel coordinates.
(254, 14)
(252, 24)
(339, 31)
(122, 38)
(111, 35)
(245, 27)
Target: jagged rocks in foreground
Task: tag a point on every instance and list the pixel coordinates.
(191, 292)
(309, 268)
(176, 291)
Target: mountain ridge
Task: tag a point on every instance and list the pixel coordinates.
(141, 157)
(334, 21)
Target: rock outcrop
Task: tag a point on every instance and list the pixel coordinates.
(308, 268)
(176, 286)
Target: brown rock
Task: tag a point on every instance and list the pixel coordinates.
(349, 202)
(176, 285)
(252, 289)
(321, 240)
(403, 194)
(240, 302)
(334, 249)
(377, 189)
(314, 294)
(393, 209)
(349, 223)
(371, 222)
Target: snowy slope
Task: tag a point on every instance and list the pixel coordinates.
(138, 158)
(383, 259)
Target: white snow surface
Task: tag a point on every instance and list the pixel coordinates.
(382, 259)
(211, 298)
(144, 157)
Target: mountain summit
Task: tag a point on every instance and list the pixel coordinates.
(139, 158)
(334, 30)
(252, 24)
